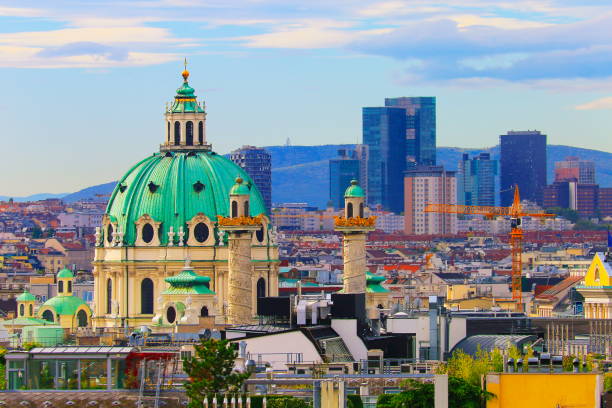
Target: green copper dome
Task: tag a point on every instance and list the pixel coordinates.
(64, 305)
(185, 99)
(26, 297)
(188, 282)
(240, 188)
(374, 283)
(354, 190)
(65, 273)
(173, 187)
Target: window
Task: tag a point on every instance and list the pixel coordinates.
(82, 318)
(204, 312)
(349, 210)
(109, 296)
(168, 135)
(177, 133)
(200, 232)
(109, 233)
(60, 287)
(146, 296)
(246, 208)
(69, 286)
(189, 134)
(21, 309)
(259, 234)
(261, 288)
(31, 310)
(361, 210)
(201, 132)
(171, 314)
(48, 316)
(147, 233)
(234, 209)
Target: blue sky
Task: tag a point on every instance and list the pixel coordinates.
(85, 83)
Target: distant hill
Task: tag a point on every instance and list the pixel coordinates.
(33, 197)
(301, 173)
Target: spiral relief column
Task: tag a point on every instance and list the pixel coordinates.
(240, 281)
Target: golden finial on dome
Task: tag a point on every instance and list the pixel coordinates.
(185, 73)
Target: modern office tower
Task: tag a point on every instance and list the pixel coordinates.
(523, 162)
(257, 162)
(420, 128)
(341, 171)
(429, 184)
(605, 202)
(583, 198)
(476, 180)
(574, 169)
(384, 132)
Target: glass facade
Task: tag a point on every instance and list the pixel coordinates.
(341, 172)
(476, 180)
(420, 128)
(384, 132)
(257, 162)
(523, 162)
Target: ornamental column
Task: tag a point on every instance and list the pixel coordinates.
(240, 227)
(354, 227)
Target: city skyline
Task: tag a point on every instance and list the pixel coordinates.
(123, 62)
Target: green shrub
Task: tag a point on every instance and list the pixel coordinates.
(354, 401)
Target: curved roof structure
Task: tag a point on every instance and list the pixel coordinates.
(489, 342)
(354, 190)
(64, 305)
(65, 273)
(26, 297)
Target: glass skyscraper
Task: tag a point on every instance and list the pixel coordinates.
(476, 180)
(384, 132)
(341, 171)
(523, 162)
(420, 128)
(257, 162)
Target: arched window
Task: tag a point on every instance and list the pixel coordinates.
(69, 287)
(177, 133)
(361, 210)
(204, 312)
(168, 135)
(109, 233)
(109, 296)
(171, 314)
(82, 318)
(146, 296)
(147, 233)
(246, 208)
(48, 316)
(21, 309)
(261, 288)
(259, 234)
(234, 209)
(60, 287)
(189, 134)
(349, 210)
(31, 310)
(201, 132)
(200, 232)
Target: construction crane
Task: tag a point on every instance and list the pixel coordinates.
(515, 212)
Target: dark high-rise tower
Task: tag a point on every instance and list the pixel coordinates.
(523, 162)
(257, 162)
(384, 132)
(342, 171)
(420, 128)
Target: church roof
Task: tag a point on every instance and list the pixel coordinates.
(65, 305)
(354, 190)
(187, 282)
(26, 297)
(185, 99)
(173, 187)
(374, 283)
(65, 273)
(240, 188)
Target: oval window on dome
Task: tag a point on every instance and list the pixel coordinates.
(200, 232)
(260, 234)
(147, 233)
(109, 233)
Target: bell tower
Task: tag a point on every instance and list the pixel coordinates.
(185, 120)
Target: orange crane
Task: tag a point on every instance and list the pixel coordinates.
(515, 212)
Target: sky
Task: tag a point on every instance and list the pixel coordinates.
(84, 83)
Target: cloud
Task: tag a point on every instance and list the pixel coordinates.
(602, 103)
(85, 48)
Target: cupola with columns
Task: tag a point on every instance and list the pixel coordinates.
(185, 120)
(239, 199)
(25, 304)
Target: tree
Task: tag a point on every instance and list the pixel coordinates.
(211, 371)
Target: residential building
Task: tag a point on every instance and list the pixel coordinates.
(341, 171)
(574, 169)
(583, 198)
(81, 219)
(429, 184)
(420, 128)
(388, 222)
(605, 201)
(476, 180)
(290, 216)
(523, 163)
(257, 162)
(384, 132)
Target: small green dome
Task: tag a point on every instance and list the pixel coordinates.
(64, 305)
(65, 273)
(185, 90)
(354, 190)
(173, 187)
(188, 282)
(26, 297)
(374, 283)
(240, 188)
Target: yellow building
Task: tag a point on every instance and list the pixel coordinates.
(597, 288)
(65, 309)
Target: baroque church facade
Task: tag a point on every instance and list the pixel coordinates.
(185, 234)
